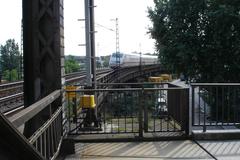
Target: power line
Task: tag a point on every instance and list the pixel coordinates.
(105, 27)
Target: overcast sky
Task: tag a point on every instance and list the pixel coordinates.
(133, 25)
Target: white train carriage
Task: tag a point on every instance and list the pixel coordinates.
(124, 60)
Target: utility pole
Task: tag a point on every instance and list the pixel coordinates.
(140, 58)
(92, 39)
(117, 41)
(21, 54)
(90, 43)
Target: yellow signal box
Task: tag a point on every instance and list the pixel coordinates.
(155, 79)
(71, 91)
(166, 77)
(87, 101)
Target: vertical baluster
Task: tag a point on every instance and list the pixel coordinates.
(210, 100)
(112, 111)
(36, 144)
(118, 110)
(193, 105)
(48, 143)
(41, 145)
(55, 133)
(104, 117)
(228, 105)
(52, 140)
(223, 105)
(199, 106)
(204, 109)
(45, 144)
(234, 105)
(154, 112)
(132, 110)
(125, 112)
(217, 104)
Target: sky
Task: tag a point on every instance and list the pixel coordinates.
(133, 25)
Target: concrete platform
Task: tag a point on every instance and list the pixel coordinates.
(164, 150)
(223, 150)
(139, 150)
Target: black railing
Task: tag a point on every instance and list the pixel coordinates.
(46, 141)
(139, 108)
(216, 105)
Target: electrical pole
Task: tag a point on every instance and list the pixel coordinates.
(21, 54)
(140, 58)
(90, 43)
(117, 41)
(92, 40)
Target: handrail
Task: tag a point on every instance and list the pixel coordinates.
(125, 89)
(215, 84)
(29, 112)
(14, 138)
(44, 127)
(49, 135)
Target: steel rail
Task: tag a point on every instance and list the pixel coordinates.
(12, 98)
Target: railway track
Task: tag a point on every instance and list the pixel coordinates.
(11, 94)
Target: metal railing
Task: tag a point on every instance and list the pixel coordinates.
(136, 108)
(47, 139)
(216, 106)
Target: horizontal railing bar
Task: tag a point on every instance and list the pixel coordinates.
(74, 78)
(214, 124)
(29, 112)
(215, 84)
(126, 89)
(107, 84)
(44, 127)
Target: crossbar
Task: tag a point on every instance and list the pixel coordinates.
(29, 112)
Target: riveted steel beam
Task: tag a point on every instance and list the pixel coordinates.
(43, 48)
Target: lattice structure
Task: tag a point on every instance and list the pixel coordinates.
(43, 41)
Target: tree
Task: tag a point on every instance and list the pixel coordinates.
(10, 75)
(200, 38)
(10, 59)
(71, 65)
(105, 60)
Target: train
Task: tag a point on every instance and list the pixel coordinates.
(131, 59)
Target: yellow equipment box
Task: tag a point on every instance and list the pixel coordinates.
(87, 101)
(166, 77)
(155, 79)
(71, 91)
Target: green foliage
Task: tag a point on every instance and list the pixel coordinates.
(105, 61)
(200, 38)
(10, 60)
(10, 75)
(71, 65)
(10, 55)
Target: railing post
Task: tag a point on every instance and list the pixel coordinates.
(204, 116)
(145, 112)
(188, 116)
(145, 118)
(140, 113)
(75, 109)
(191, 109)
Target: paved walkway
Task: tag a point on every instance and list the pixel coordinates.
(165, 150)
